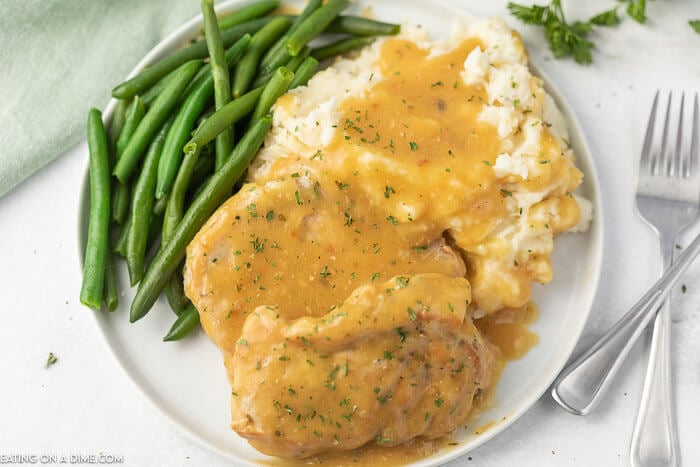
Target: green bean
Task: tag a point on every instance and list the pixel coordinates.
(120, 201)
(196, 167)
(197, 50)
(183, 325)
(342, 46)
(219, 71)
(97, 243)
(159, 206)
(256, 10)
(359, 26)
(196, 189)
(154, 231)
(314, 25)
(292, 65)
(132, 118)
(154, 119)
(220, 185)
(120, 242)
(111, 294)
(175, 208)
(277, 55)
(203, 168)
(120, 191)
(150, 95)
(223, 118)
(175, 293)
(191, 108)
(245, 69)
(200, 121)
(142, 207)
(273, 89)
(115, 128)
(304, 73)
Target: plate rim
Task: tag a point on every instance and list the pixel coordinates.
(585, 161)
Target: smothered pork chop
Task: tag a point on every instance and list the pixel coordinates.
(399, 195)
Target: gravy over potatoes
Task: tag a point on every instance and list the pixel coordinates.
(399, 195)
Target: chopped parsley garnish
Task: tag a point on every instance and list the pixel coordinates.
(411, 313)
(51, 360)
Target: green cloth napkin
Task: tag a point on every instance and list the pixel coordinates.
(58, 58)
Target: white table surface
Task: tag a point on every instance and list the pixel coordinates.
(85, 404)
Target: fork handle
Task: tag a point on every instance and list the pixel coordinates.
(654, 441)
(582, 384)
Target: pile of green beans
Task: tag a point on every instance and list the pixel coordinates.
(169, 157)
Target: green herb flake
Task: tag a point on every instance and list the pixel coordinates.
(413, 145)
(51, 360)
(252, 210)
(270, 215)
(258, 246)
(384, 397)
(506, 192)
(388, 190)
(402, 335)
(298, 197)
(411, 313)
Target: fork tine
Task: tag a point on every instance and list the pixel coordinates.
(674, 163)
(645, 158)
(692, 165)
(659, 162)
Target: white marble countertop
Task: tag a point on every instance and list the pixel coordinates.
(85, 404)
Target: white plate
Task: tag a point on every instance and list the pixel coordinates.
(187, 382)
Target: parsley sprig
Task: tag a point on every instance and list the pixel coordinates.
(636, 9)
(695, 24)
(564, 39)
(571, 39)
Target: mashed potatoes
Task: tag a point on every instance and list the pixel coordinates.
(399, 195)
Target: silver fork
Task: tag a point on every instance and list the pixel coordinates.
(654, 440)
(668, 196)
